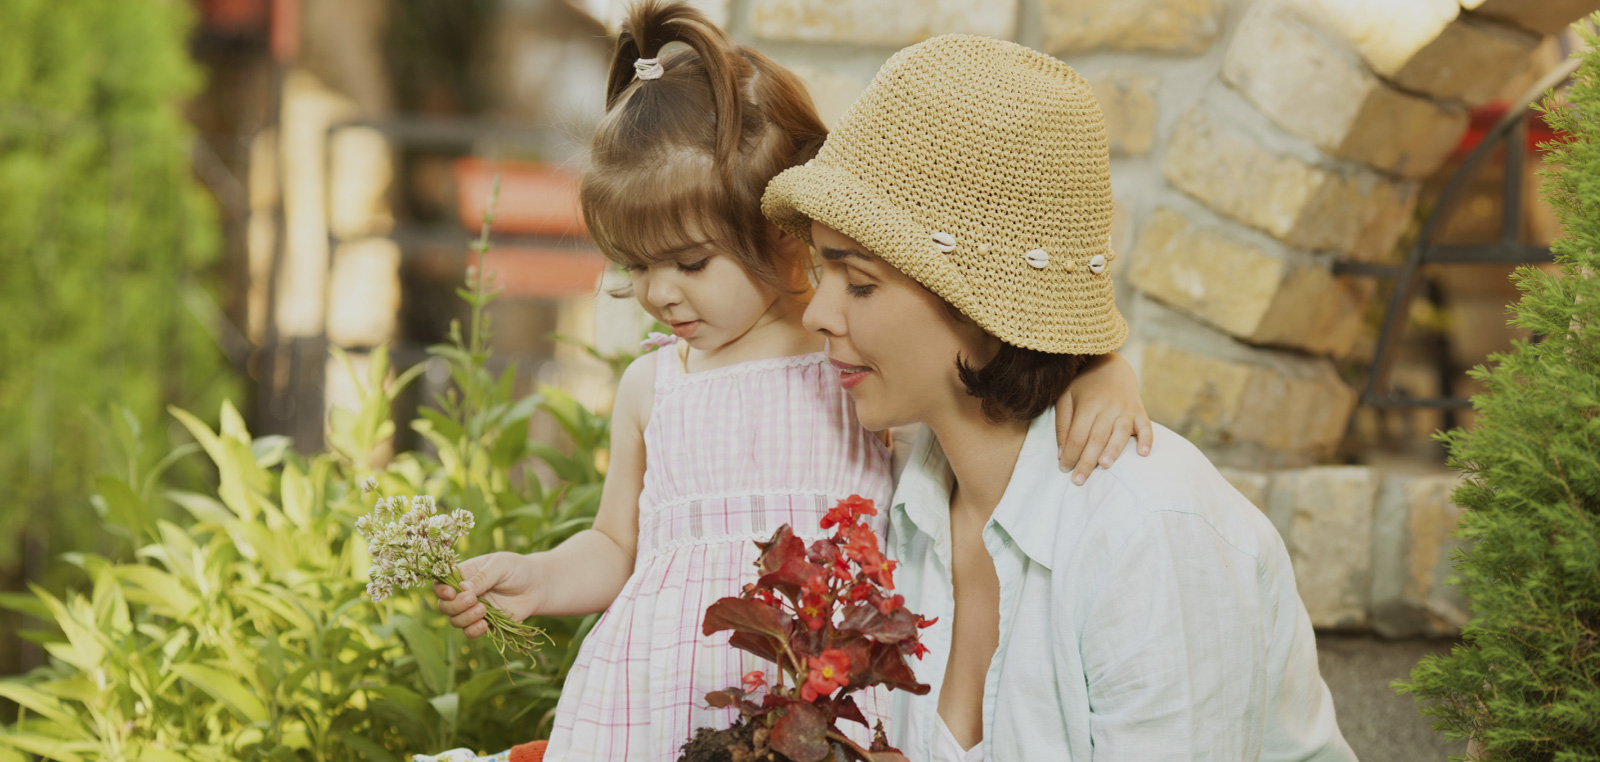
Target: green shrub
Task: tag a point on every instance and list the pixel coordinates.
(1526, 682)
(107, 241)
(247, 633)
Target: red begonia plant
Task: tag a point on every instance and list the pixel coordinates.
(826, 616)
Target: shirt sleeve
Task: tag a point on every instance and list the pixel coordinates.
(1174, 647)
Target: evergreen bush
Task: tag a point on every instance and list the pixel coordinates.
(1525, 683)
(107, 242)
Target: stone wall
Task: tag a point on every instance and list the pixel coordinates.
(1254, 144)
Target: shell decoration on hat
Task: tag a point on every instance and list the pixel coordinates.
(979, 168)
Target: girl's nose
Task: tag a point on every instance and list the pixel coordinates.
(663, 293)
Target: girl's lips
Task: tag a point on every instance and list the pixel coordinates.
(850, 375)
(685, 330)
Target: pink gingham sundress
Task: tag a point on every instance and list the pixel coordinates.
(731, 454)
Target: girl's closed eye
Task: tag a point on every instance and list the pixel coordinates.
(693, 267)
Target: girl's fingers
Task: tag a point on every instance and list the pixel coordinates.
(469, 617)
(1098, 436)
(1078, 440)
(1121, 432)
(1064, 410)
(1145, 433)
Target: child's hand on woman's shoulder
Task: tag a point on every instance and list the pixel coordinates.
(1097, 416)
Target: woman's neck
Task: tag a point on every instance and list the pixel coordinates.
(982, 456)
(777, 333)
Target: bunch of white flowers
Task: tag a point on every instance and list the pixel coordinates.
(411, 543)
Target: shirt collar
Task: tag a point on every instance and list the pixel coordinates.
(1029, 510)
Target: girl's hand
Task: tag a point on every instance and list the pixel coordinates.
(505, 579)
(1098, 414)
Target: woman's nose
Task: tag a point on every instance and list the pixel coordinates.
(822, 315)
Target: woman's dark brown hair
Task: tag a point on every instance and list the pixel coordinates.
(1020, 384)
(684, 159)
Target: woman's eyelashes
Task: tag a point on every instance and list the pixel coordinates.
(693, 267)
(858, 291)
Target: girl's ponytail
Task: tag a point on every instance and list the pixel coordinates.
(650, 26)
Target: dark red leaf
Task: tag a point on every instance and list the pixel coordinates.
(727, 698)
(889, 755)
(748, 616)
(801, 734)
(781, 549)
(763, 646)
(868, 620)
(845, 708)
(889, 668)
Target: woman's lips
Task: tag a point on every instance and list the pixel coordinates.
(850, 375)
(685, 330)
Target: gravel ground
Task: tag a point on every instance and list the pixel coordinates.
(1381, 725)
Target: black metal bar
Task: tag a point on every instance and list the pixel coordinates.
(1365, 269)
(1418, 402)
(1511, 201)
(1509, 252)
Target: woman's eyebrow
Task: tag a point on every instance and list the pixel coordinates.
(833, 255)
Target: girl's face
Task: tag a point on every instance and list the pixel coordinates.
(707, 298)
(894, 342)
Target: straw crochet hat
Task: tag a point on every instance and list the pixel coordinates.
(979, 168)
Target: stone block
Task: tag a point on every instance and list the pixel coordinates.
(1264, 409)
(1264, 297)
(1412, 548)
(1318, 89)
(832, 93)
(1470, 61)
(715, 10)
(360, 169)
(364, 293)
(1128, 100)
(1300, 203)
(1325, 515)
(893, 23)
(309, 107)
(1177, 26)
(1387, 33)
(1538, 16)
(1252, 484)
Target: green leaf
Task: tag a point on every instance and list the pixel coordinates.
(158, 588)
(25, 603)
(448, 706)
(298, 495)
(36, 702)
(150, 754)
(405, 702)
(428, 651)
(367, 748)
(124, 507)
(225, 689)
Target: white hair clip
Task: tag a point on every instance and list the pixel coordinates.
(648, 68)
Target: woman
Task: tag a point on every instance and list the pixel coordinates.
(962, 209)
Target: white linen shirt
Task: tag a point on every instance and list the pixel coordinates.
(1150, 614)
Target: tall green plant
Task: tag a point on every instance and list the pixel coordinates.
(247, 633)
(1525, 685)
(106, 240)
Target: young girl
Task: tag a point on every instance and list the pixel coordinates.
(738, 427)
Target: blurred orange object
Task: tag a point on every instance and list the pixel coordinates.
(539, 273)
(535, 198)
(528, 752)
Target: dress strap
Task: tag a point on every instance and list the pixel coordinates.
(672, 360)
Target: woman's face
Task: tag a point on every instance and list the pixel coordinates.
(894, 342)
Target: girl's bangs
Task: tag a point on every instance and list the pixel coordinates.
(638, 217)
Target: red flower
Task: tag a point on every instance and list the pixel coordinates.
(923, 624)
(918, 650)
(861, 545)
(886, 606)
(813, 611)
(860, 592)
(816, 584)
(846, 512)
(829, 671)
(879, 570)
(754, 680)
